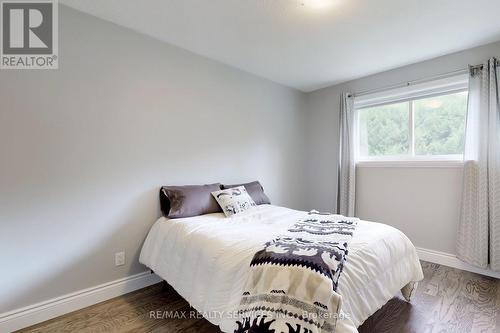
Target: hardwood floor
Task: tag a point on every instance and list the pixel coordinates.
(448, 300)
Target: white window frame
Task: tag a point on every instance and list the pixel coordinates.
(435, 88)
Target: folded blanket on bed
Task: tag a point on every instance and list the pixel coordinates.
(291, 287)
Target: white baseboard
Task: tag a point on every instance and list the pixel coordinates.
(36, 313)
(451, 260)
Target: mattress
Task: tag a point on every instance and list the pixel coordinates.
(206, 260)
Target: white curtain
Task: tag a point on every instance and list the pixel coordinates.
(347, 167)
(478, 240)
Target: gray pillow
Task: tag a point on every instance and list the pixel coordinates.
(189, 200)
(255, 190)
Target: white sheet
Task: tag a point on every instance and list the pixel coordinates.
(206, 258)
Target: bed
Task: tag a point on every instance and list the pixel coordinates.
(206, 260)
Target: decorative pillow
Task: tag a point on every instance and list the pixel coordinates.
(255, 190)
(189, 200)
(234, 200)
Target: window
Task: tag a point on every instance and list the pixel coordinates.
(418, 123)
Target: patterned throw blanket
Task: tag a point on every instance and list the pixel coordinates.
(291, 287)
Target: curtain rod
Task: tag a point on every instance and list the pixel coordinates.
(423, 80)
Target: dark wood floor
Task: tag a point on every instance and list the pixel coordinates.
(448, 300)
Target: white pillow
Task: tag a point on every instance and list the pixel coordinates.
(234, 200)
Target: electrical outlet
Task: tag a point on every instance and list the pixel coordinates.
(119, 258)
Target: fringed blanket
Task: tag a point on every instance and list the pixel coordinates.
(291, 287)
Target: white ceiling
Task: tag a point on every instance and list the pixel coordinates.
(304, 47)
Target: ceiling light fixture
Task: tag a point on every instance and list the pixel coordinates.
(317, 4)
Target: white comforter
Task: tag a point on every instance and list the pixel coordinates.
(206, 260)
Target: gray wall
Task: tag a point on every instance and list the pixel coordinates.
(85, 148)
(407, 198)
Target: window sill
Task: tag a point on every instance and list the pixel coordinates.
(411, 164)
